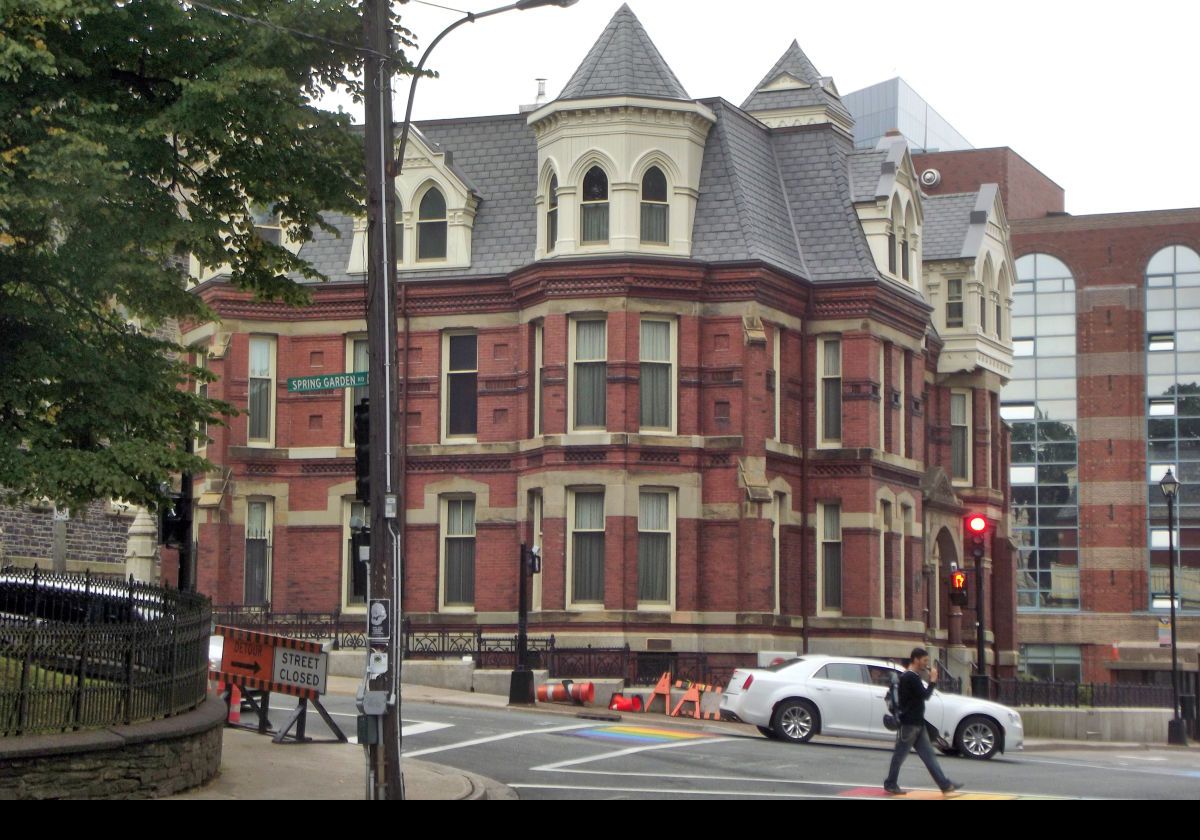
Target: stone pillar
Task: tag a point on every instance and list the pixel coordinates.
(141, 551)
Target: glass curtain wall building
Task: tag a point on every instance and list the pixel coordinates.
(1173, 419)
(893, 104)
(1040, 404)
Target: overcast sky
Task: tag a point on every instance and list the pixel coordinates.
(1101, 96)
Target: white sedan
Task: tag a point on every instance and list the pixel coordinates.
(819, 694)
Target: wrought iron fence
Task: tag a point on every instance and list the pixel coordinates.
(341, 629)
(1016, 692)
(80, 652)
(947, 682)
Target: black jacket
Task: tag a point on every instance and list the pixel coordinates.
(913, 695)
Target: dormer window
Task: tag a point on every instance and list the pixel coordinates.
(552, 214)
(654, 207)
(594, 213)
(431, 226)
(267, 226)
(954, 303)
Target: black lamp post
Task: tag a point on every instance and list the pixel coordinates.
(520, 686)
(1175, 731)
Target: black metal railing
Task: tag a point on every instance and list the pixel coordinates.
(947, 682)
(342, 630)
(1016, 692)
(81, 652)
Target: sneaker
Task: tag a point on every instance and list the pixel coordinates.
(952, 787)
(894, 790)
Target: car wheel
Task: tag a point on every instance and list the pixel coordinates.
(978, 737)
(767, 731)
(796, 721)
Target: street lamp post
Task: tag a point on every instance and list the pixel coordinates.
(387, 394)
(1175, 731)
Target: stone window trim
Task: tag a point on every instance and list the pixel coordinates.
(457, 529)
(260, 397)
(572, 531)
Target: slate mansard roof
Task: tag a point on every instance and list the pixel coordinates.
(784, 197)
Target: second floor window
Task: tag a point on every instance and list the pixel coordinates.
(594, 210)
(461, 385)
(260, 403)
(656, 386)
(431, 227)
(654, 207)
(960, 437)
(831, 391)
(591, 374)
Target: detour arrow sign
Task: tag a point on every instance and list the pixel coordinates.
(266, 662)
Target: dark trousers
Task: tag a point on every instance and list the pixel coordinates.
(906, 739)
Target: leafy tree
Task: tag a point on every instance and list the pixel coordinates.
(133, 134)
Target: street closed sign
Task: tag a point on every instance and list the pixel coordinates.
(266, 662)
(300, 669)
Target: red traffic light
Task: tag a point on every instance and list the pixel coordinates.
(976, 523)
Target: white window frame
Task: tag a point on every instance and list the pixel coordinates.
(539, 350)
(348, 506)
(537, 511)
(268, 528)
(953, 299)
(824, 442)
(269, 440)
(348, 423)
(446, 437)
(673, 379)
(777, 365)
(822, 540)
(965, 395)
(421, 224)
(572, 493)
(573, 376)
(202, 391)
(672, 510)
(444, 535)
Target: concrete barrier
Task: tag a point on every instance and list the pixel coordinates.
(1137, 726)
(455, 675)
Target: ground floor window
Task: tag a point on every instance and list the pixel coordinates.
(1056, 663)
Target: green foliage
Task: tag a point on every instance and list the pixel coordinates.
(133, 134)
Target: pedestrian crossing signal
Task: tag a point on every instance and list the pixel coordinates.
(958, 588)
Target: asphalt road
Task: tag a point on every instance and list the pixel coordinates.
(552, 756)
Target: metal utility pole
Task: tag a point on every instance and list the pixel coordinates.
(385, 496)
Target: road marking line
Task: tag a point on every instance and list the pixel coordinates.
(1141, 758)
(661, 792)
(474, 742)
(422, 728)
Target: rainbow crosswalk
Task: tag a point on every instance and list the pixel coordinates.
(638, 735)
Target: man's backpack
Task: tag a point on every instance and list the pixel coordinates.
(891, 719)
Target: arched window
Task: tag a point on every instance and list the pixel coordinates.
(431, 227)
(894, 234)
(595, 206)
(552, 214)
(654, 207)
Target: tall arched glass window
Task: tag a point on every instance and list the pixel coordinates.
(654, 207)
(552, 213)
(594, 215)
(431, 226)
(1173, 419)
(1040, 403)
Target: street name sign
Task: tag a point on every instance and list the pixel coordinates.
(327, 382)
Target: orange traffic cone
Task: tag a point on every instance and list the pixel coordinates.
(621, 703)
(235, 704)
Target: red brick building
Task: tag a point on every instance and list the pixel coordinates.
(706, 357)
(1106, 314)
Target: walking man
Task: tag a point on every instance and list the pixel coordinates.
(913, 695)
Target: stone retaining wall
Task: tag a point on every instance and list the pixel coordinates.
(141, 761)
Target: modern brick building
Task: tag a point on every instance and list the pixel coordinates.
(699, 353)
(1102, 402)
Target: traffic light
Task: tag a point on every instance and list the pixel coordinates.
(975, 530)
(362, 452)
(958, 588)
